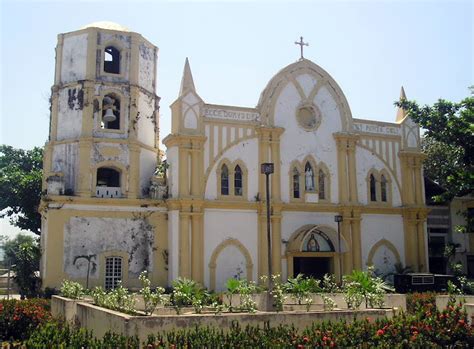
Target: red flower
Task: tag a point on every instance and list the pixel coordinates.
(461, 322)
(325, 339)
(380, 333)
(305, 339)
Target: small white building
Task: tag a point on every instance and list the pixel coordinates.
(105, 210)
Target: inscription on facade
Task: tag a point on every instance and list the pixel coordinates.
(232, 115)
(378, 129)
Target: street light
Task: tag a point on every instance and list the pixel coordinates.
(267, 169)
(338, 219)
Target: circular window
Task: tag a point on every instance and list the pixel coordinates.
(308, 117)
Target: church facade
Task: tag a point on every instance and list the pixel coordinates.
(109, 214)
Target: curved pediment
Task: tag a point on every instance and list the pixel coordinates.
(314, 88)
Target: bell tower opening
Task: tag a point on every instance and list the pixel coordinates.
(111, 60)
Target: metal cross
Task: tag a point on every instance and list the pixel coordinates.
(301, 43)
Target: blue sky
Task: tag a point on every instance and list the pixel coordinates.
(370, 48)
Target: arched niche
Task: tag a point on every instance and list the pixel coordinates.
(383, 256)
(219, 249)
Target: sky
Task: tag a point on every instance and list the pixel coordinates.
(371, 49)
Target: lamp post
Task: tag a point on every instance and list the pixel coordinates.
(338, 219)
(267, 169)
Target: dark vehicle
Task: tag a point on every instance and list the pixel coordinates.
(419, 282)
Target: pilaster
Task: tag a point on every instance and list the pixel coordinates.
(197, 251)
(91, 63)
(356, 241)
(341, 143)
(84, 175)
(276, 244)
(184, 250)
(134, 172)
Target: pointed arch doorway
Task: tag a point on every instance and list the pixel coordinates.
(311, 251)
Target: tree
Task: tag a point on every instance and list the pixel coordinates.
(443, 162)
(20, 186)
(449, 128)
(23, 254)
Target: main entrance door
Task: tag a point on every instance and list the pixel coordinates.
(314, 267)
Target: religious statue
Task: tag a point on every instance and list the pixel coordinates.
(309, 179)
(312, 245)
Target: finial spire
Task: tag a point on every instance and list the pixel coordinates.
(187, 82)
(301, 43)
(401, 113)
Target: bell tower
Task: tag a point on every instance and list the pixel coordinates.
(104, 123)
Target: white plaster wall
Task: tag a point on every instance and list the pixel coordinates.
(93, 235)
(74, 58)
(230, 264)
(296, 143)
(365, 161)
(172, 157)
(222, 224)
(375, 227)
(69, 113)
(122, 153)
(146, 67)
(147, 168)
(66, 160)
(173, 245)
(247, 151)
(146, 120)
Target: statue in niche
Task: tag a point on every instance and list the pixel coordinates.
(312, 245)
(309, 179)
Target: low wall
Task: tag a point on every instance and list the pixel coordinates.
(65, 308)
(391, 300)
(101, 320)
(442, 300)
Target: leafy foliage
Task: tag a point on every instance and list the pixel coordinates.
(117, 299)
(188, 292)
(19, 318)
(450, 135)
(20, 186)
(151, 299)
(426, 327)
(364, 285)
(23, 253)
(72, 290)
(300, 287)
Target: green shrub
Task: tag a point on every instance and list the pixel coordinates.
(150, 298)
(364, 285)
(117, 299)
(19, 317)
(72, 290)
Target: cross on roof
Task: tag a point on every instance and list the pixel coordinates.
(301, 43)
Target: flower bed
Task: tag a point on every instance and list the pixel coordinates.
(101, 320)
(18, 318)
(424, 329)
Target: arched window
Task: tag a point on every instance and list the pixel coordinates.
(373, 186)
(108, 183)
(108, 177)
(224, 180)
(322, 185)
(111, 60)
(238, 181)
(296, 183)
(383, 188)
(111, 112)
(309, 177)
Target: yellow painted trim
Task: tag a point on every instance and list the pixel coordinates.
(215, 254)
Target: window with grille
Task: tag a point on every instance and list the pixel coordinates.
(383, 188)
(373, 193)
(296, 183)
(322, 185)
(113, 272)
(224, 180)
(238, 181)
